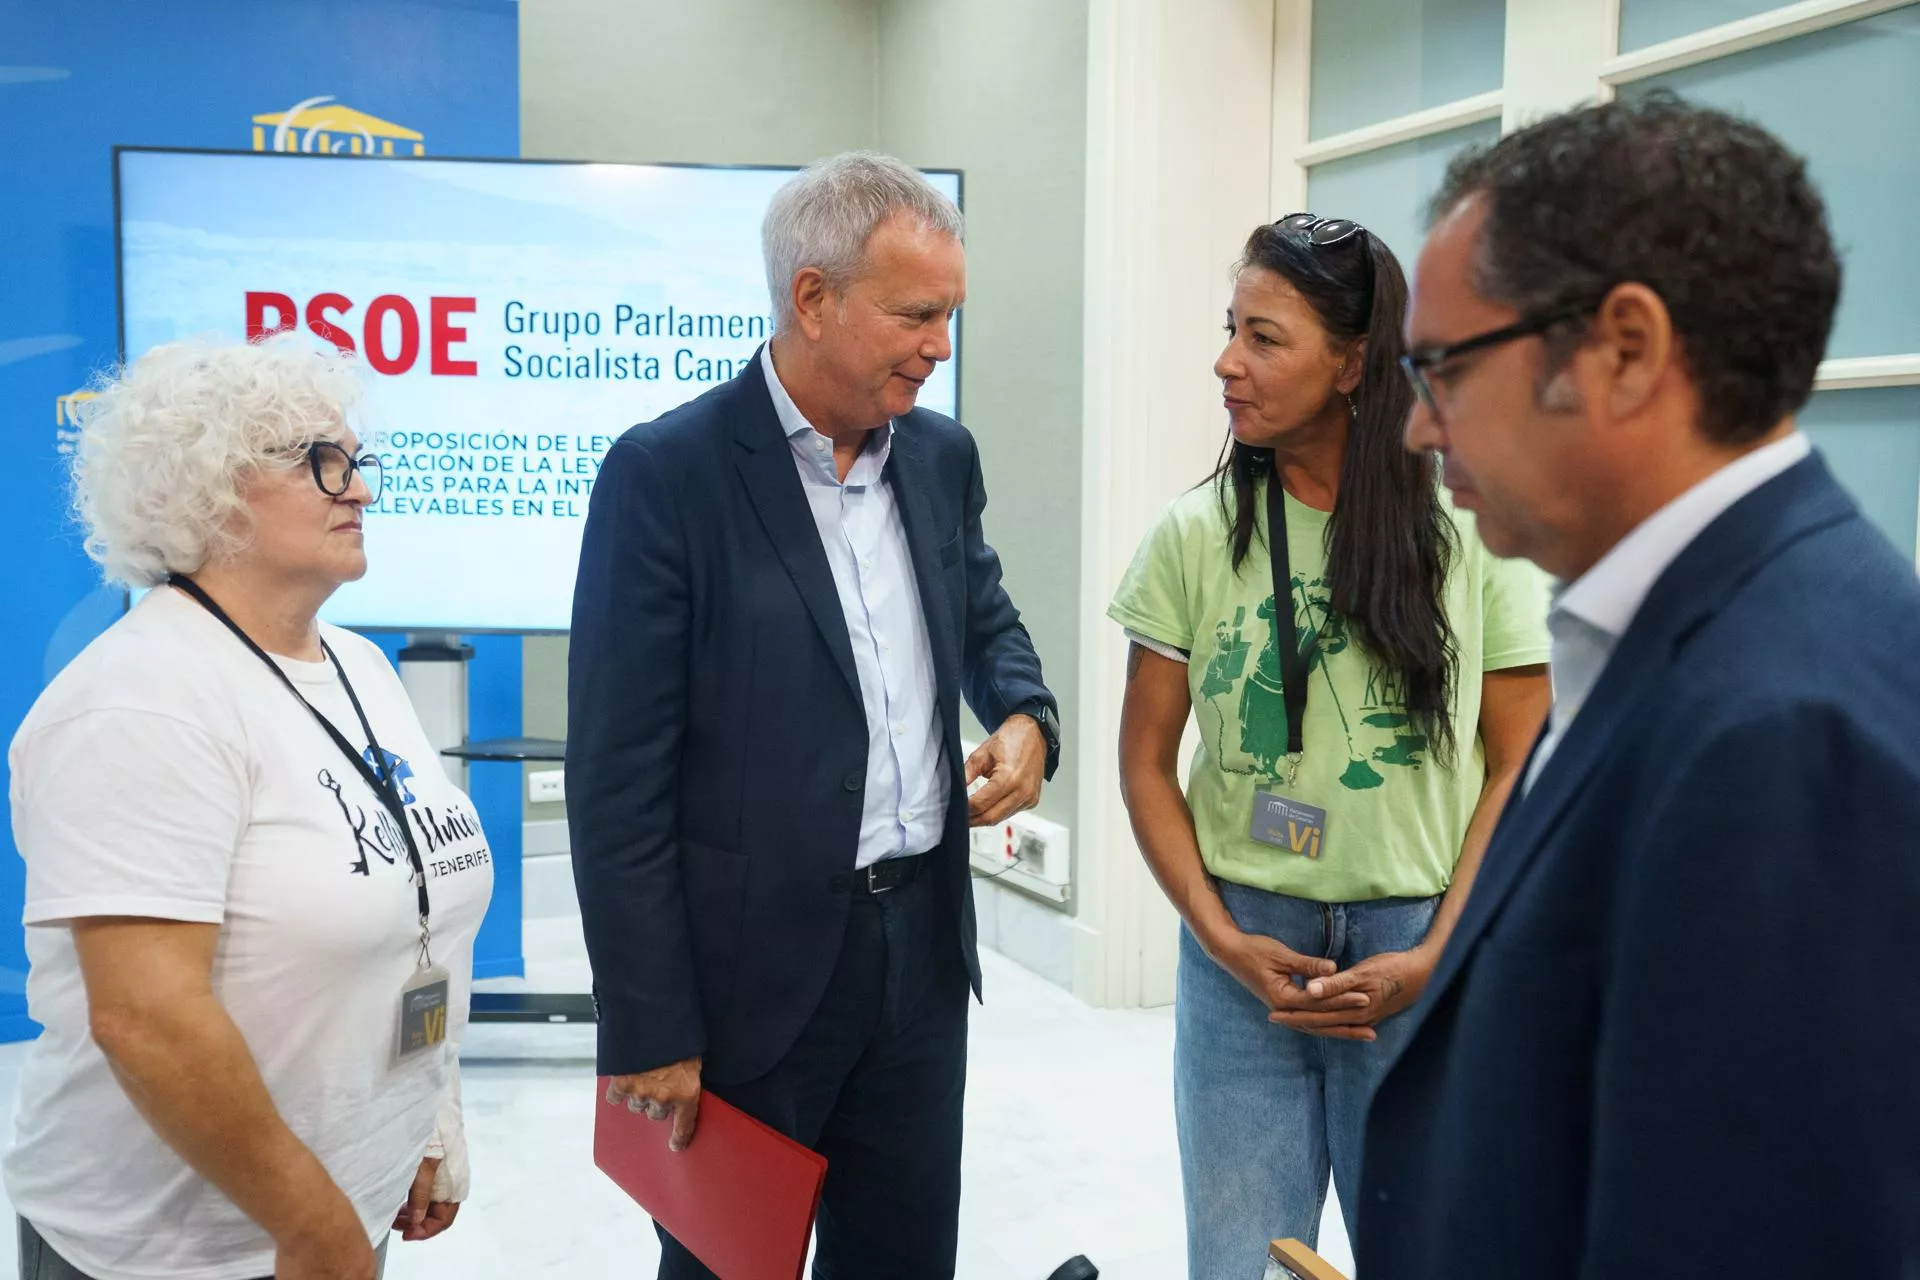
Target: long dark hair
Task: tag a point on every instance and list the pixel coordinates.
(1389, 543)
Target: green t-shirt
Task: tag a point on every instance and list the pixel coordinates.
(1395, 816)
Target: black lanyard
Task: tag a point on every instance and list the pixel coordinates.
(1294, 656)
(383, 782)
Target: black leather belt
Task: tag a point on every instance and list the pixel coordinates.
(887, 875)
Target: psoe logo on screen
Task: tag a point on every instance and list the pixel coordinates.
(324, 126)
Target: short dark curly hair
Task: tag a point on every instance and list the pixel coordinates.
(1709, 211)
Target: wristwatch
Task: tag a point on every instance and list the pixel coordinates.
(1049, 722)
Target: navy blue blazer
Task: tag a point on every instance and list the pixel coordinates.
(716, 739)
(1673, 1034)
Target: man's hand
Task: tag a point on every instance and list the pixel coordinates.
(1266, 967)
(667, 1093)
(1014, 763)
(423, 1218)
(1385, 984)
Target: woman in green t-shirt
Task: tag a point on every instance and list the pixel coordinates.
(1325, 843)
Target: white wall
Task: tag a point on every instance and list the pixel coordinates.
(711, 81)
(998, 88)
(1179, 145)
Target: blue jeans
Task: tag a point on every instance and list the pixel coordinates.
(1264, 1110)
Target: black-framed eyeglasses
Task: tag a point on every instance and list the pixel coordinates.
(1419, 365)
(1320, 232)
(333, 469)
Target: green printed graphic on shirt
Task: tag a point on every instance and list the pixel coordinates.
(1396, 815)
(1377, 729)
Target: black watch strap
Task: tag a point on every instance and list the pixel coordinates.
(1049, 721)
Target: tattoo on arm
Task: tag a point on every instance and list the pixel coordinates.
(1134, 654)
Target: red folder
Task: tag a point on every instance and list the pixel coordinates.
(741, 1197)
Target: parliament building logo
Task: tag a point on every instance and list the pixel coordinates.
(322, 126)
(66, 419)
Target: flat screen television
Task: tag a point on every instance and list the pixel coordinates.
(513, 318)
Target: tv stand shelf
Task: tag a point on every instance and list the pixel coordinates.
(523, 1006)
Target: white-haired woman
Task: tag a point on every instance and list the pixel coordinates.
(252, 986)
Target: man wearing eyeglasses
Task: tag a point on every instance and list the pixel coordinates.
(1660, 1042)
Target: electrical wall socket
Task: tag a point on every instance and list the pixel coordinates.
(547, 786)
(1026, 846)
(997, 845)
(1042, 848)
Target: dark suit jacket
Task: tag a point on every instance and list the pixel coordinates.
(1674, 1033)
(716, 740)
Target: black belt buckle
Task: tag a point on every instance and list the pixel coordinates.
(874, 886)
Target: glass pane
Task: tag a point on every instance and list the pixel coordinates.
(1845, 99)
(1387, 190)
(1871, 439)
(1645, 22)
(1377, 59)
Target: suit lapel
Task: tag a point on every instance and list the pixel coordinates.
(1528, 820)
(1694, 588)
(767, 468)
(909, 472)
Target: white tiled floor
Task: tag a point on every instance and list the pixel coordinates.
(1070, 1145)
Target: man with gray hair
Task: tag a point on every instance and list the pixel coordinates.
(784, 591)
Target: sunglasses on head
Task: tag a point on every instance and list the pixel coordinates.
(1320, 232)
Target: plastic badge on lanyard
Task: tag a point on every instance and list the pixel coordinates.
(425, 995)
(1280, 820)
(423, 1011)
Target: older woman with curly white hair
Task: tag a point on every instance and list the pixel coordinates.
(252, 986)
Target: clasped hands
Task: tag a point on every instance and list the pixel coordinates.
(1341, 1004)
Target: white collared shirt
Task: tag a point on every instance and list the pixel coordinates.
(1591, 615)
(866, 545)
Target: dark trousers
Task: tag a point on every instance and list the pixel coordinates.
(876, 1084)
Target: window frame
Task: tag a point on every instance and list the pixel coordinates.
(1546, 70)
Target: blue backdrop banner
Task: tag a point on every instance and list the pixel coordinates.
(77, 78)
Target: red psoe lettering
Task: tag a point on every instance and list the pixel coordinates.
(258, 302)
(317, 319)
(376, 338)
(386, 351)
(445, 333)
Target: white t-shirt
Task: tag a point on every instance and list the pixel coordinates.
(167, 773)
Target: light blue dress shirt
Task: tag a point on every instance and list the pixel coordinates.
(1590, 615)
(866, 545)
